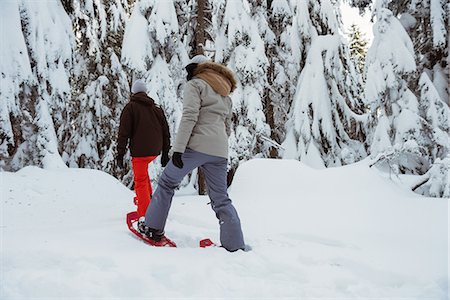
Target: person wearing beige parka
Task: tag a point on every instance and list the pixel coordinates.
(201, 141)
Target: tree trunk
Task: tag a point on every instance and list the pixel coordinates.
(269, 109)
(230, 176)
(201, 182)
(199, 44)
(200, 29)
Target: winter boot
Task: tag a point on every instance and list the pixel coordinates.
(141, 225)
(153, 234)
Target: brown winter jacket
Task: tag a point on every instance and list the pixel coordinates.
(145, 126)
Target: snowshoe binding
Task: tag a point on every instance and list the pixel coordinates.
(147, 235)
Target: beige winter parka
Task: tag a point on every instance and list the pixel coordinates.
(207, 109)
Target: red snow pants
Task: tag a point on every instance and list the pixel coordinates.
(142, 184)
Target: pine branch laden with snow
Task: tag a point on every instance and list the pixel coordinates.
(321, 119)
(394, 107)
(362, 5)
(281, 73)
(240, 46)
(436, 182)
(152, 30)
(410, 114)
(100, 85)
(428, 25)
(436, 119)
(358, 47)
(70, 65)
(15, 72)
(196, 32)
(36, 86)
(270, 99)
(152, 49)
(439, 18)
(326, 126)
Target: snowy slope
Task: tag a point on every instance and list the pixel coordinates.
(334, 233)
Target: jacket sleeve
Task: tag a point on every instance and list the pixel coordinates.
(228, 118)
(166, 132)
(191, 110)
(125, 130)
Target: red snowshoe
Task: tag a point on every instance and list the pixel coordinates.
(132, 220)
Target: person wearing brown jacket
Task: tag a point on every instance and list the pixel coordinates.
(144, 127)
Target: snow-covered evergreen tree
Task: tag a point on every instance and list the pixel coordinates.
(239, 45)
(395, 108)
(194, 18)
(259, 12)
(99, 84)
(362, 5)
(413, 131)
(326, 126)
(15, 75)
(435, 117)
(281, 76)
(427, 22)
(358, 47)
(436, 182)
(35, 86)
(152, 49)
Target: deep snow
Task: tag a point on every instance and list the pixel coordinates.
(342, 233)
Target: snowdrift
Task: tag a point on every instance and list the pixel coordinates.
(338, 233)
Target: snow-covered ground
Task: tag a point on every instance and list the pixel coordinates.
(335, 233)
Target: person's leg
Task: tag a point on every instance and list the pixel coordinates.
(150, 190)
(231, 235)
(141, 183)
(171, 177)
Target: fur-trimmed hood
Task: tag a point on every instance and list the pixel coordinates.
(219, 77)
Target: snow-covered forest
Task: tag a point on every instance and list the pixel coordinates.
(308, 88)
